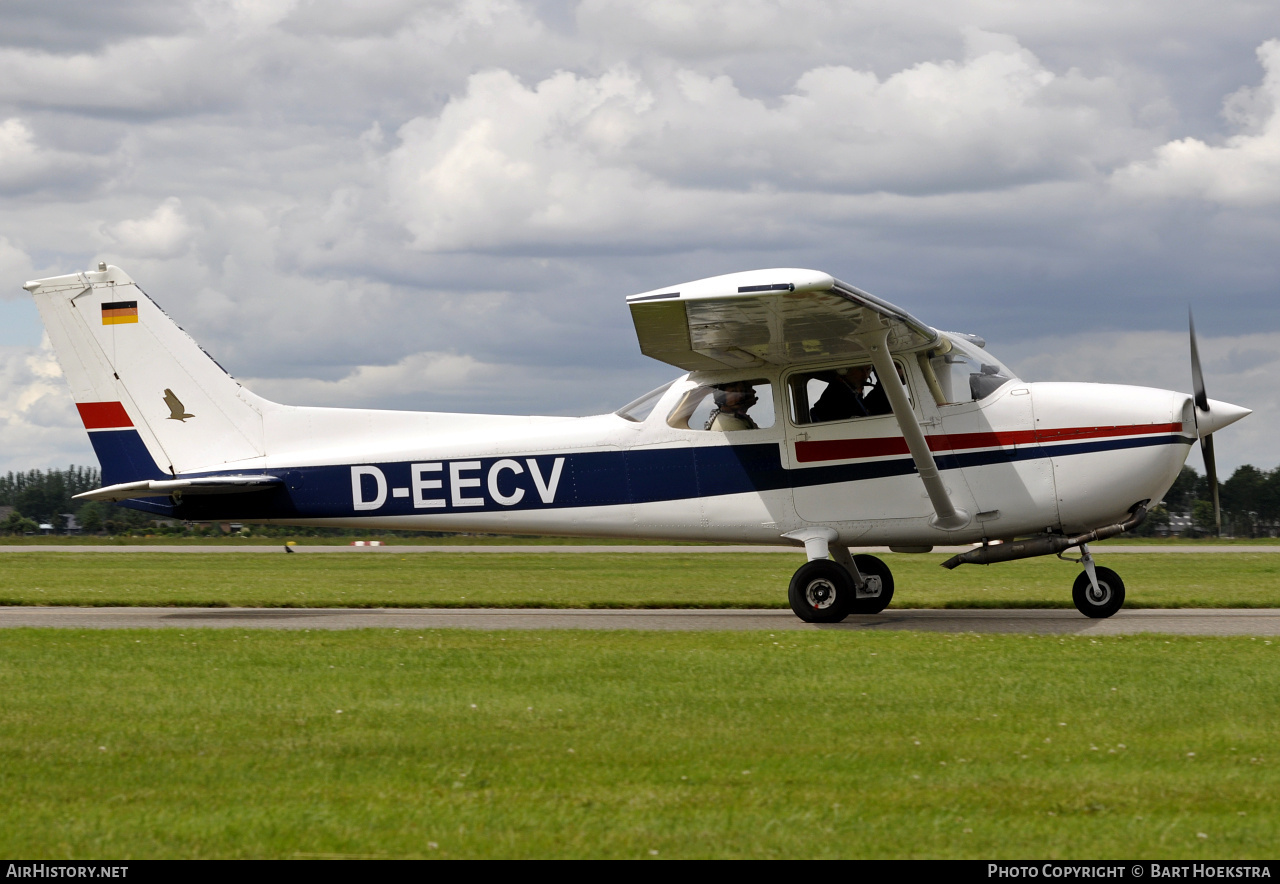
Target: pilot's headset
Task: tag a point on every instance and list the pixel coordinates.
(720, 393)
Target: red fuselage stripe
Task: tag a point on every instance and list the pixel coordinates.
(848, 449)
(103, 415)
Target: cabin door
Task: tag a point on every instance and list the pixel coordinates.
(849, 467)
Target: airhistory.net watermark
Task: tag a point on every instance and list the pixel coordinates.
(64, 870)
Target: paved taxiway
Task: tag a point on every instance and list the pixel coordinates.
(1185, 621)
(531, 549)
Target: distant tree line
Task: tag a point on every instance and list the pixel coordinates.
(1250, 502)
(45, 497)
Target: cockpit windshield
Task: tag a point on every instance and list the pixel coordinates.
(639, 409)
(964, 371)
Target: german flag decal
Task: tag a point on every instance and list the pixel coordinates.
(119, 312)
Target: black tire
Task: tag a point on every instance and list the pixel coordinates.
(873, 569)
(1097, 606)
(821, 592)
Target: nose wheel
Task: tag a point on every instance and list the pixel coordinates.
(1098, 601)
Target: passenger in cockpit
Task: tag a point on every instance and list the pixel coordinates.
(732, 402)
(847, 396)
(843, 398)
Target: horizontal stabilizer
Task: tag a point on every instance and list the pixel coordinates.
(169, 487)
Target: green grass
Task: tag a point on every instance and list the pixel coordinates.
(457, 744)
(251, 539)
(598, 580)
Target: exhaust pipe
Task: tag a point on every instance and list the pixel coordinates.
(1046, 544)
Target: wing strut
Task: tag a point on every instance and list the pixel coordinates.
(947, 515)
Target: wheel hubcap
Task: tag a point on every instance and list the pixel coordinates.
(1099, 596)
(820, 594)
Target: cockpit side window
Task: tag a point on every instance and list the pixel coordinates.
(836, 394)
(725, 407)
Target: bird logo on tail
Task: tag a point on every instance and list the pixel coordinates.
(176, 410)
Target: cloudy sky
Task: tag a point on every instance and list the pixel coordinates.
(442, 205)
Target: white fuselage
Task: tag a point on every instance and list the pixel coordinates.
(1029, 457)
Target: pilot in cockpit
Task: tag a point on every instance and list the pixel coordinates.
(732, 403)
(844, 396)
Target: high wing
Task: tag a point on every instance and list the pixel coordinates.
(783, 316)
(788, 316)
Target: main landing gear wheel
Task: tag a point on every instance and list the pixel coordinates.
(878, 591)
(821, 592)
(1104, 601)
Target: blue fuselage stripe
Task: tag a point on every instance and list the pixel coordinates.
(582, 479)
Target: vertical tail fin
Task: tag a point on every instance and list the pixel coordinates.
(154, 403)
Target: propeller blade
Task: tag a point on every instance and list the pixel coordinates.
(1197, 377)
(1202, 407)
(1211, 473)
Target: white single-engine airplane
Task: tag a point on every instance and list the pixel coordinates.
(812, 412)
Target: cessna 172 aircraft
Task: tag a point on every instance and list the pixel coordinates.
(811, 412)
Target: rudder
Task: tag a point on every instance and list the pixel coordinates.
(154, 403)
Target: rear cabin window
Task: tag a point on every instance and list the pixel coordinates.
(725, 407)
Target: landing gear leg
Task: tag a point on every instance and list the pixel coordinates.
(1098, 592)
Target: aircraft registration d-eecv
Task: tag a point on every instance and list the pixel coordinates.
(811, 413)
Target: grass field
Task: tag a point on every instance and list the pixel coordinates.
(452, 744)
(551, 744)
(598, 580)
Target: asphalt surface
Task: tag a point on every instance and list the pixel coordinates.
(532, 549)
(1185, 621)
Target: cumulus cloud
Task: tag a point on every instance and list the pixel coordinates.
(165, 233)
(509, 163)
(1242, 171)
(654, 158)
(443, 374)
(321, 63)
(18, 154)
(14, 265)
(438, 381)
(39, 426)
(70, 26)
(25, 166)
(152, 75)
(358, 199)
(708, 27)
